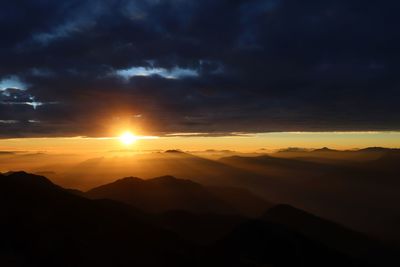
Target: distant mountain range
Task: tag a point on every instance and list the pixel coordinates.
(358, 189)
(166, 193)
(43, 224)
(326, 149)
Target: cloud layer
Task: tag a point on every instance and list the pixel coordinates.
(79, 67)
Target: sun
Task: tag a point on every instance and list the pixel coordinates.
(127, 138)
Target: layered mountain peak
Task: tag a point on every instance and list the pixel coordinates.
(166, 193)
(128, 180)
(324, 149)
(319, 229)
(25, 179)
(174, 151)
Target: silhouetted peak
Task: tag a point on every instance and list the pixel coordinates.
(324, 149)
(293, 149)
(165, 178)
(123, 183)
(27, 178)
(322, 230)
(375, 149)
(14, 172)
(177, 151)
(300, 219)
(128, 180)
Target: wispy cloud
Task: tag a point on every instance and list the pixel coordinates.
(13, 82)
(174, 73)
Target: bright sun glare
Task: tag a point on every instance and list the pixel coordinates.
(127, 138)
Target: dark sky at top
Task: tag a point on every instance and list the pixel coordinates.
(77, 67)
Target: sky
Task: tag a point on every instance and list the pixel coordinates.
(211, 67)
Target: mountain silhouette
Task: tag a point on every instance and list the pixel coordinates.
(45, 225)
(96, 171)
(270, 244)
(358, 189)
(309, 240)
(174, 151)
(362, 195)
(377, 149)
(328, 233)
(168, 193)
(324, 149)
(272, 163)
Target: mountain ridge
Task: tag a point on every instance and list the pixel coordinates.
(167, 192)
(59, 228)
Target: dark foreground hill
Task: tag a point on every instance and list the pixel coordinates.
(325, 232)
(168, 193)
(42, 224)
(286, 236)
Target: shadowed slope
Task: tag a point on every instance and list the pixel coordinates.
(323, 231)
(360, 195)
(286, 236)
(274, 245)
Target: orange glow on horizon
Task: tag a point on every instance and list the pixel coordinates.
(247, 143)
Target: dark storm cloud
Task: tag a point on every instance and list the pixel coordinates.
(80, 67)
